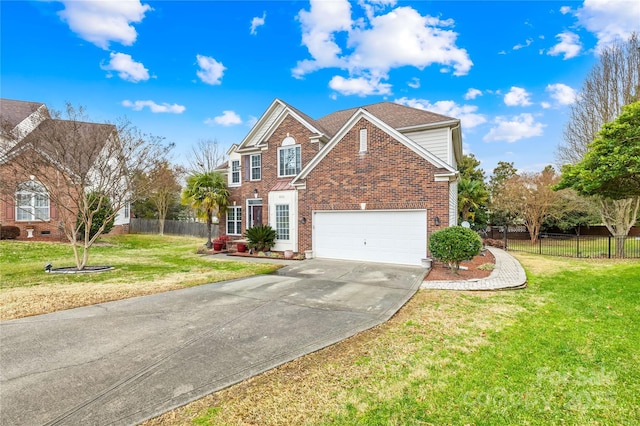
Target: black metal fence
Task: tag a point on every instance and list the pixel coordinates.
(589, 246)
(171, 227)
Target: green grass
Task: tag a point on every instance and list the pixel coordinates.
(136, 259)
(571, 357)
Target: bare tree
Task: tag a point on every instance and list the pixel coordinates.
(530, 196)
(207, 156)
(611, 84)
(81, 166)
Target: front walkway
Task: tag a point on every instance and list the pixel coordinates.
(507, 275)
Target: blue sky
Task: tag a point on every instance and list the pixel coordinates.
(190, 70)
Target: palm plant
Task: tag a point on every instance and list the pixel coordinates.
(206, 193)
(471, 195)
(260, 237)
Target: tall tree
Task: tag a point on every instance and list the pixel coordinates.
(82, 166)
(500, 215)
(472, 191)
(610, 170)
(612, 83)
(207, 193)
(163, 189)
(530, 196)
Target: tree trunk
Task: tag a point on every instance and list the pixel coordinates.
(161, 221)
(619, 216)
(209, 223)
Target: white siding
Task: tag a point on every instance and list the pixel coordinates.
(266, 126)
(436, 141)
(453, 203)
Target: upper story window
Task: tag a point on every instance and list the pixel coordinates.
(256, 167)
(289, 161)
(289, 158)
(32, 202)
(235, 171)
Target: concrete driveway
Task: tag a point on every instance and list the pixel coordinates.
(123, 362)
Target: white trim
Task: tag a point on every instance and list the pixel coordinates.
(362, 113)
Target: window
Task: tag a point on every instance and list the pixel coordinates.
(282, 221)
(127, 210)
(363, 140)
(289, 161)
(235, 171)
(32, 202)
(256, 167)
(234, 220)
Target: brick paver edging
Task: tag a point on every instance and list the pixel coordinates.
(507, 275)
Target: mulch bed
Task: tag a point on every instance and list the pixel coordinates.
(440, 271)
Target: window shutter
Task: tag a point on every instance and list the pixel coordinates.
(53, 211)
(10, 210)
(247, 168)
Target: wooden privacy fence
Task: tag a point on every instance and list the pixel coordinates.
(171, 227)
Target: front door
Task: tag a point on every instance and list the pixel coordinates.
(254, 212)
(283, 213)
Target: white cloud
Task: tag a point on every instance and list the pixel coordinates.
(414, 83)
(211, 71)
(511, 130)
(561, 93)
(545, 105)
(527, 43)
(102, 22)
(361, 86)
(467, 114)
(373, 45)
(257, 22)
(472, 94)
(154, 107)
(569, 45)
(517, 96)
(228, 118)
(565, 9)
(609, 20)
(126, 67)
(251, 121)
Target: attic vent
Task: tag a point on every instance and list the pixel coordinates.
(288, 141)
(363, 140)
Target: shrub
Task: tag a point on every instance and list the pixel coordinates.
(493, 243)
(260, 237)
(9, 232)
(455, 244)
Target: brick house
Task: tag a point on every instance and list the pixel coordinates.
(25, 196)
(368, 183)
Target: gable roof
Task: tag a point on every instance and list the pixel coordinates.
(353, 119)
(15, 112)
(51, 139)
(395, 115)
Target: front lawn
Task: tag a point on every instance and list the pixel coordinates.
(144, 264)
(562, 351)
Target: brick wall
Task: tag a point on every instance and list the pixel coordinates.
(239, 195)
(389, 176)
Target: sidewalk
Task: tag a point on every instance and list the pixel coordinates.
(507, 275)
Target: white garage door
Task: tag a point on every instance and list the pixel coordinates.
(398, 236)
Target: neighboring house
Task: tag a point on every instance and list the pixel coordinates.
(25, 197)
(368, 183)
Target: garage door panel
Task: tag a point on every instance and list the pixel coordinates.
(377, 236)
